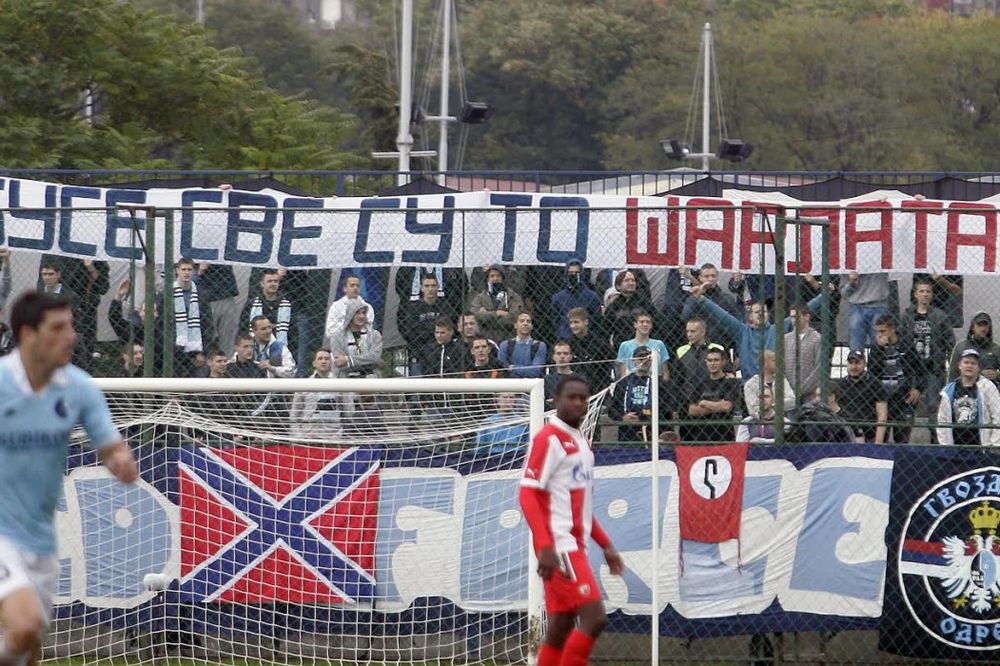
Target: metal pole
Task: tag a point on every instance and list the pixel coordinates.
(779, 324)
(655, 498)
(148, 330)
(825, 325)
(536, 597)
(706, 95)
(131, 296)
(445, 80)
(199, 14)
(404, 141)
(795, 300)
(168, 300)
(761, 297)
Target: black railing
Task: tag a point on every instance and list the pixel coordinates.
(804, 185)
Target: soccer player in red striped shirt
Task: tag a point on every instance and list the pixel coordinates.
(556, 489)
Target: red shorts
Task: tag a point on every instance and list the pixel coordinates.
(572, 585)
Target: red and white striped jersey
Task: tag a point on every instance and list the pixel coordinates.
(561, 462)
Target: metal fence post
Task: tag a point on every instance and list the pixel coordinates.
(148, 332)
(655, 499)
(168, 301)
(826, 353)
(779, 330)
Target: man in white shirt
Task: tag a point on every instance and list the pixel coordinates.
(271, 354)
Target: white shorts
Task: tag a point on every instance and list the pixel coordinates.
(20, 569)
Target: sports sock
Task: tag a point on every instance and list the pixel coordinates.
(549, 655)
(577, 649)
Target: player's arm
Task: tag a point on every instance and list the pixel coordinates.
(534, 499)
(118, 458)
(96, 419)
(611, 556)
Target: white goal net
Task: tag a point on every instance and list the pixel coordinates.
(286, 520)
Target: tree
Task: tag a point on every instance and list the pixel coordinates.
(373, 97)
(548, 68)
(162, 96)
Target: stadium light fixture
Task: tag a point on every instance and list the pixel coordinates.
(674, 149)
(734, 150)
(475, 113)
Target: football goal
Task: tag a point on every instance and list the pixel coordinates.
(354, 520)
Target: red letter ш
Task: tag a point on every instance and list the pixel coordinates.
(651, 256)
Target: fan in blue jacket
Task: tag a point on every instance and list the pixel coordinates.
(748, 335)
(576, 294)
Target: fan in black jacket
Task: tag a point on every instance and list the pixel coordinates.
(896, 363)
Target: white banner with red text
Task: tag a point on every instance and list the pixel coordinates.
(881, 231)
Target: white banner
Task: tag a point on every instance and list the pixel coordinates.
(881, 231)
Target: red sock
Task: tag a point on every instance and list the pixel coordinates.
(549, 655)
(577, 649)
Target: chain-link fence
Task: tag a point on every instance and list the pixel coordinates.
(772, 322)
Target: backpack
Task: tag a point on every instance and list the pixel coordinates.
(509, 349)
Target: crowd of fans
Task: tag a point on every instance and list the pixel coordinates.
(715, 344)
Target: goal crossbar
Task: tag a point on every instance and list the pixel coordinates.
(334, 385)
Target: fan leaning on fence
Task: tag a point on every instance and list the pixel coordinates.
(970, 405)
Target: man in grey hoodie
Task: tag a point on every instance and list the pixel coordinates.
(357, 350)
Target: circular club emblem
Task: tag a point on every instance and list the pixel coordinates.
(710, 476)
(949, 560)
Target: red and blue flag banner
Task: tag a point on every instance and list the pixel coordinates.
(271, 524)
(942, 588)
(711, 499)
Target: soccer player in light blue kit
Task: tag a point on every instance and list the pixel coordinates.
(42, 398)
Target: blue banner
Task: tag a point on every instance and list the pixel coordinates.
(942, 592)
(451, 548)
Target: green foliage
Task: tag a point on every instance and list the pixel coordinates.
(576, 84)
(163, 96)
(373, 97)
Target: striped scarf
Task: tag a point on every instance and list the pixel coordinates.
(284, 316)
(187, 320)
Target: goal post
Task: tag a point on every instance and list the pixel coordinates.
(267, 527)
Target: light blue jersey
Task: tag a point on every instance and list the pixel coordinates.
(34, 436)
(628, 347)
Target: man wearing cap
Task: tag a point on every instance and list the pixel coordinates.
(980, 338)
(632, 399)
(968, 404)
(861, 400)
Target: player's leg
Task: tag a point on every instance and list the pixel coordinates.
(590, 615)
(579, 644)
(562, 598)
(557, 628)
(23, 626)
(27, 586)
